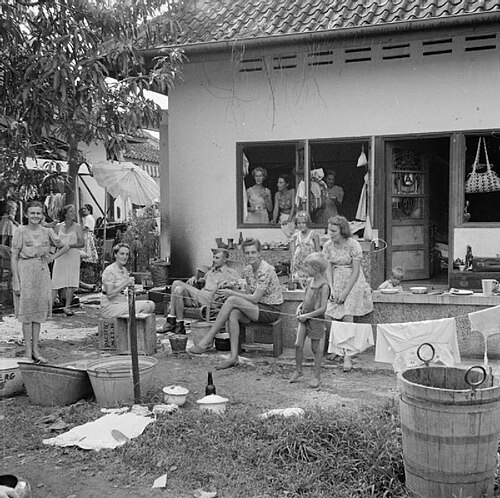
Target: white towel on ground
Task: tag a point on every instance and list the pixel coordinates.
(352, 338)
(397, 343)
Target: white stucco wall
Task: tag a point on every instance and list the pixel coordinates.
(216, 106)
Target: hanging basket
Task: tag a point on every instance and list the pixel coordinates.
(159, 273)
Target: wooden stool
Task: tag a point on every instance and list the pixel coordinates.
(106, 332)
(146, 334)
(258, 336)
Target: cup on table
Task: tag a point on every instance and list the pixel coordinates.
(461, 267)
(489, 286)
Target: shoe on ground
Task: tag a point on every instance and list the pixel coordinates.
(169, 326)
(179, 328)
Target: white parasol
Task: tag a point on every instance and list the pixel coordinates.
(127, 181)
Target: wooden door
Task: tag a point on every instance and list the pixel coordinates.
(407, 210)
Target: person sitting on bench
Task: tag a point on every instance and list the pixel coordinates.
(186, 294)
(260, 302)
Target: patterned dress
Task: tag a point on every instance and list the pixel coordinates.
(359, 301)
(257, 201)
(34, 304)
(304, 245)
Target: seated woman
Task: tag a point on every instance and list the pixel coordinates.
(115, 280)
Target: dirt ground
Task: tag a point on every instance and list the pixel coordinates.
(258, 383)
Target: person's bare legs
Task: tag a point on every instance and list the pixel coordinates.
(28, 340)
(36, 339)
(233, 325)
(248, 309)
(69, 299)
(177, 303)
(347, 360)
(318, 354)
(299, 352)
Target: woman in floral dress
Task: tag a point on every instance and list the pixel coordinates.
(350, 293)
(304, 242)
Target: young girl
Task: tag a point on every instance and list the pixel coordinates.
(310, 314)
(304, 242)
(394, 282)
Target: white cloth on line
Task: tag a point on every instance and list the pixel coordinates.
(97, 435)
(487, 322)
(351, 338)
(300, 195)
(397, 343)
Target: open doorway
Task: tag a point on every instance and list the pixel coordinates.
(417, 214)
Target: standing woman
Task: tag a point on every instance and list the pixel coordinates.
(350, 293)
(66, 270)
(284, 201)
(260, 203)
(88, 224)
(8, 223)
(30, 250)
(304, 242)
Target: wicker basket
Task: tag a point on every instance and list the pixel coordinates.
(159, 273)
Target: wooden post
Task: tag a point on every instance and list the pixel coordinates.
(132, 330)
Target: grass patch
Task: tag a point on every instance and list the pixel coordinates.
(324, 454)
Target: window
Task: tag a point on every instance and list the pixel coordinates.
(482, 188)
(272, 181)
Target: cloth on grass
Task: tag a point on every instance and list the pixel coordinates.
(397, 343)
(97, 435)
(351, 338)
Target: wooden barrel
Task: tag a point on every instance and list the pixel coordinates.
(450, 432)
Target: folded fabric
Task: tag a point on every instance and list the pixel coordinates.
(101, 433)
(397, 343)
(487, 322)
(350, 338)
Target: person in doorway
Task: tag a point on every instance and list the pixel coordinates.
(259, 199)
(331, 199)
(8, 223)
(284, 201)
(394, 282)
(350, 293)
(260, 303)
(186, 294)
(115, 280)
(30, 251)
(311, 315)
(66, 270)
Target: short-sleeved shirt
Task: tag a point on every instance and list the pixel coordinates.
(112, 275)
(217, 276)
(33, 244)
(89, 222)
(264, 278)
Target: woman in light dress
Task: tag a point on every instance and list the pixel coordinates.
(89, 253)
(115, 280)
(66, 270)
(259, 199)
(350, 293)
(31, 245)
(304, 242)
(284, 201)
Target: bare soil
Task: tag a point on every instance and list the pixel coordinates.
(258, 384)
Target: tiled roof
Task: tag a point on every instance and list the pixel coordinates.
(225, 20)
(147, 150)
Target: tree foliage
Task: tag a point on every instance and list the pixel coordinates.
(55, 58)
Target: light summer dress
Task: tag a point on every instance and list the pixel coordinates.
(304, 245)
(257, 201)
(66, 270)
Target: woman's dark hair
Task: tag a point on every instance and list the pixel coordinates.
(118, 246)
(286, 178)
(251, 242)
(342, 223)
(89, 208)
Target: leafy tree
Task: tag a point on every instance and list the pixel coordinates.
(55, 57)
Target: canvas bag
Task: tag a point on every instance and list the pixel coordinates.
(486, 181)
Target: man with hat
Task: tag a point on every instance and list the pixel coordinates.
(186, 294)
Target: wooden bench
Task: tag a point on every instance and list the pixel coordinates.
(258, 336)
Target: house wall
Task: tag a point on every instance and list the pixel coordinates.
(216, 106)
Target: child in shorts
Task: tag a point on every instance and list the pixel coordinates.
(394, 282)
(311, 314)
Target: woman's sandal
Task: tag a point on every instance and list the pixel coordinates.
(38, 358)
(295, 377)
(68, 312)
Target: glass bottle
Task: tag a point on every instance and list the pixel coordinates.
(240, 240)
(468, 258)
(210, 388)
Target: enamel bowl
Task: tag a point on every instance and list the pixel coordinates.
(419, 290)
(175, 395)
(213, 403)
(389, 291)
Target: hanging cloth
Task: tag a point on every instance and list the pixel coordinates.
(363, 200)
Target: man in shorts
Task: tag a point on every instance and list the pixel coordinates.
(185, 294)
(259, 303)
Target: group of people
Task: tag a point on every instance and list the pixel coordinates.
(261, 209)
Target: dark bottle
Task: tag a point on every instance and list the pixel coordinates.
(240, 240)
(468, 258)
(210, 388)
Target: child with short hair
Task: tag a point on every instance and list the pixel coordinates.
(394, 282)
(311, 314)
(304, 242)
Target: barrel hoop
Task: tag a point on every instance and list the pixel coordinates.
(451, 440)
(438, 476)
(484, 406)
